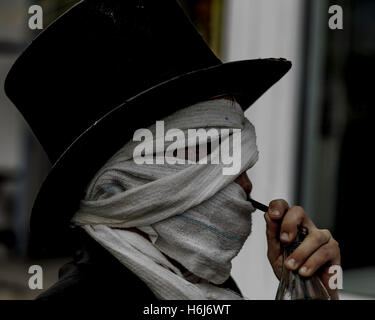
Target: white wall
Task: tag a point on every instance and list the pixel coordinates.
(261, 29)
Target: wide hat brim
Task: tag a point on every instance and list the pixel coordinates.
(60, 194)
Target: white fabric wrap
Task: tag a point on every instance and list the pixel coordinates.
(192, 212)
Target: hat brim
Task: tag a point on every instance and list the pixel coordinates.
(59, 196)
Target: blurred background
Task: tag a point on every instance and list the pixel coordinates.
(314, 132)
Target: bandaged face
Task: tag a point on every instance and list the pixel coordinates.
(193, 213)
(208, 239)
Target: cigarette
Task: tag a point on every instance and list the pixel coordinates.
(258, 205)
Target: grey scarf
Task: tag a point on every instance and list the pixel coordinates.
(192, 212)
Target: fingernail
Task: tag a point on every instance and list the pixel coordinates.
(284, 236)
(303, 270)
(291, 262)
(276, 213)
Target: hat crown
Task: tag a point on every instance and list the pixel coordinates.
(95, 57)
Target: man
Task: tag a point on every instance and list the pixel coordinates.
(197, 263)
(163, 230)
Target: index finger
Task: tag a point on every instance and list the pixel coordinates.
(273, 217)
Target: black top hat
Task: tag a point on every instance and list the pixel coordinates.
(104, 69)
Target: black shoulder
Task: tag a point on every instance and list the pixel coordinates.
(69, 287)
(95, 275)
(92, 284)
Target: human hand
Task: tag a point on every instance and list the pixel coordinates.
(314, 255)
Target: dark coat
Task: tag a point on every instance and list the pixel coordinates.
(95, 275)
